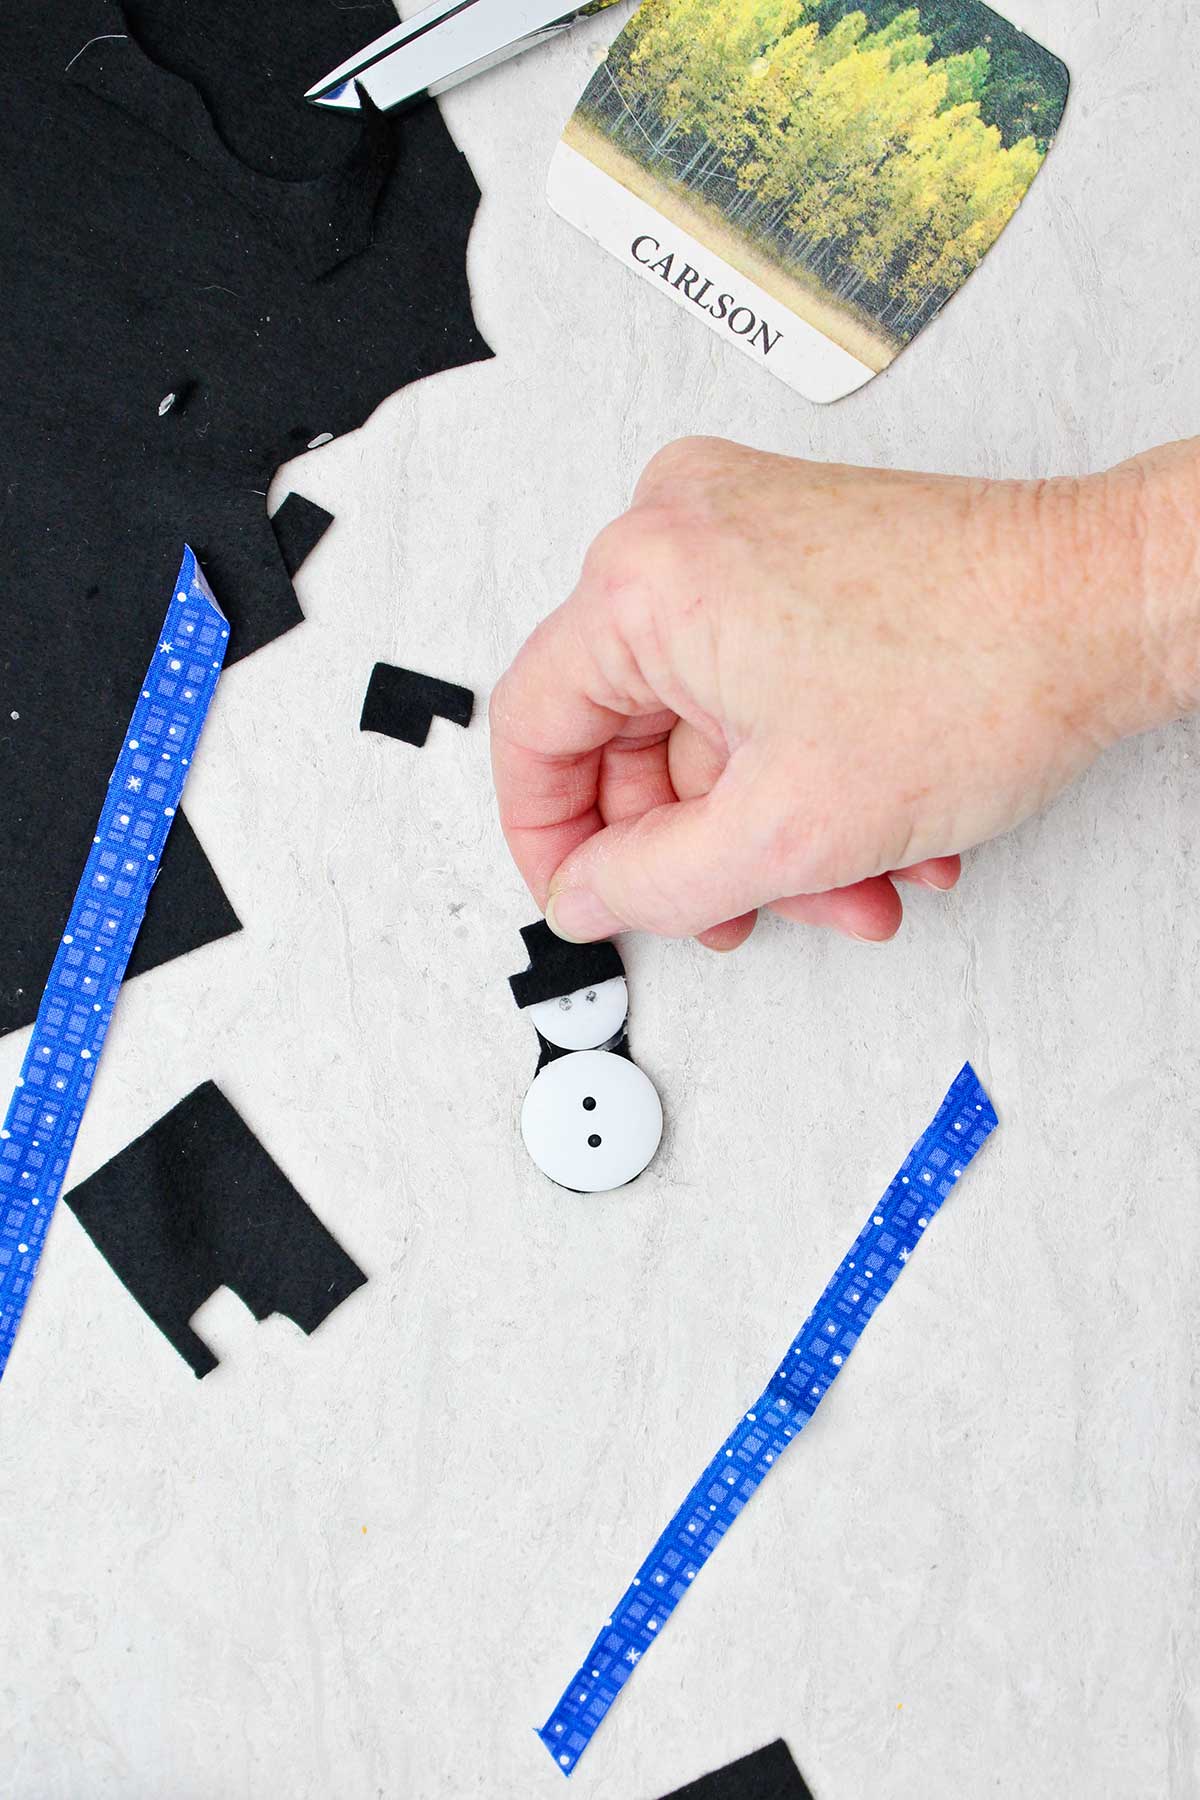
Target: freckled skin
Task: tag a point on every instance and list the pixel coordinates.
(788, 684)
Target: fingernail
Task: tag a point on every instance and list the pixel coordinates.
(579, 917)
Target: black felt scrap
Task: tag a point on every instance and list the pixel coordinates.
(202, 274)
(299, 525)
(766, 1774)
(557, 968)
(317, 223)
(402, 704)
(195, 1204)
(189, 910)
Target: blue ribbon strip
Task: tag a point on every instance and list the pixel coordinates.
(962, 1124)
(144, 791)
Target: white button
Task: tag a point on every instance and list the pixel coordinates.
(592, 1120)
(584, 1020)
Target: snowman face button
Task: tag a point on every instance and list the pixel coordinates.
(584, 1020)
(591, 1121)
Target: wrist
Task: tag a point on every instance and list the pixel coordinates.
(1138, 527)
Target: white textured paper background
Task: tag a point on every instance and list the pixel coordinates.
(977, 1572)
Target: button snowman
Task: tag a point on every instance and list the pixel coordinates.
(591, 1119)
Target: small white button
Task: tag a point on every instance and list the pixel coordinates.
(584, 1020)
(591, 1120)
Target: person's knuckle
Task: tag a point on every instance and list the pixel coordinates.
(684, 464)
(614, 556)
(631, 555)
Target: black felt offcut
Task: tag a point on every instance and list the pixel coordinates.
(766, 1774)
(402, 704)
(195, 1204)
(299, 525)
(175, 220)
(182, 914)
(557, 968)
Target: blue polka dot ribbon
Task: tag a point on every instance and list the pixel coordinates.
(962, 1124)
(144, 791)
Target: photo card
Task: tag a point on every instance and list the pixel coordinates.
(814, 179)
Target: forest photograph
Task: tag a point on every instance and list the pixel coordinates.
(856, 158)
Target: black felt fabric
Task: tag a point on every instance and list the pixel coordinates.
(556, 968)
(174, 219)
(196, 1204)
(766, 1774)
(402, 704)
(548, 1053)
(299, 525)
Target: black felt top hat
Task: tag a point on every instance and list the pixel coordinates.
(557, 968)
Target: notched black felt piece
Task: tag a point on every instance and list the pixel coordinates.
(766, 1774)
(299, 525)
(402, 704)
(557, 968)
(195, 1204)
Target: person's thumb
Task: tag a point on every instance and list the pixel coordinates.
(677, 871)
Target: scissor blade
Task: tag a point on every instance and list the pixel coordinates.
(440, 46)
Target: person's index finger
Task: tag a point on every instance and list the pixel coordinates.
(548, 734)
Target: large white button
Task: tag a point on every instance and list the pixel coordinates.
(592, 1120)
(584, 1020)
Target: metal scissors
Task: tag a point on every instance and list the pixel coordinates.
(442, 45)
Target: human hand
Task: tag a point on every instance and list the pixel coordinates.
(792, 685)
